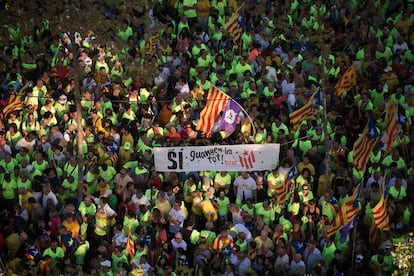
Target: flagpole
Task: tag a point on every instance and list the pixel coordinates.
(355, 229)
(325, 127)
(241, 107)
(325, 131)
(354, 243)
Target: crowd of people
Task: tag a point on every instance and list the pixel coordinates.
(146, 87)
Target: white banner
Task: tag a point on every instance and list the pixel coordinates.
(249, 157)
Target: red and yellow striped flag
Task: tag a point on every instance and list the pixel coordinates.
(233, 27)
(349, 209)
(15, 103)
(391, 127)
(216, 101)
(303, 113)
(381, 219)
(152, 43)
(130, 246)
(364, 145)
(346, 81)
(283, 188)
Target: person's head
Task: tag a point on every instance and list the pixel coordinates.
(245, 175)
(178, 237)
(297, 257)
(177, 204)
(311, 245)
(281, 250)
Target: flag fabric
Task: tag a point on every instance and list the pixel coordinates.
(233, 27)
(381, 218)
(346, 81)
(391, 127)
(152, 43)
(374, 236)
(347, 213)
(130, 246)
(347, 229)
(15, 103)
(283, 189)
(228, 120)
(364, 145)
(307, 111)
(216, 101)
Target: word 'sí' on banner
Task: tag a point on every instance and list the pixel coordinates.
(217, 158)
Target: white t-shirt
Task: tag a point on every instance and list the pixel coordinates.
(140, 201)
(246, 186)
(182, 244)
(50, 196)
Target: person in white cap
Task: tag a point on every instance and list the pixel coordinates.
(390, 79)
(106, 267)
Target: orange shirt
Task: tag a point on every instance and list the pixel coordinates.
(72, 227)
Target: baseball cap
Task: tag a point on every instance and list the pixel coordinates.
(359, 259)
(106, 263)
(127, 146)
(107, 193)
(63, 99)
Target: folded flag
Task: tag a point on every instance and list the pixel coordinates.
(364, 145)
(346, 81)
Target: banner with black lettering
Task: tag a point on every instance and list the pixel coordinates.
(248, 157)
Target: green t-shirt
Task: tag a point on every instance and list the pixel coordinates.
(54, 255)
(239, 69)
(108, 174)
(27, 184)
(275, 129)
(9, 166)
(329, 252)
(388, 160)
(268, 215)
(223, 180)
(189, 7)
(248, 210)
(387, 264)
(80, 253)
(387, 54)
(118, 259)
(223, 205)
(268, 93)
(9, 189)
(242, 245)
(329, 210)
(83, 209)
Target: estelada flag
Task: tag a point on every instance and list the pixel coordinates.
(307, 111)
(364, 145)
(379, 211)
(346, 81)
(283, 189)
(216, 102)
(347, 213)
(391, 127)
(233, 27)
